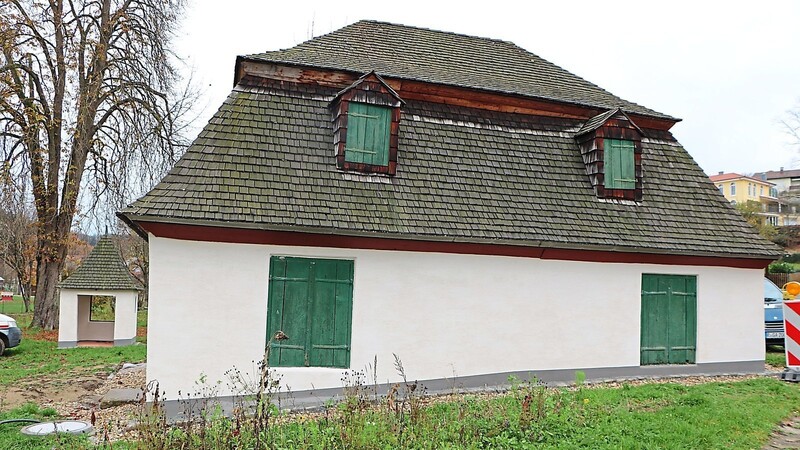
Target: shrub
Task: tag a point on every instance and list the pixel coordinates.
(781, 267)
(792, 258)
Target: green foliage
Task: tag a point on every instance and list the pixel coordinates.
(530, 415)
(792, 258)
(775, 356)
(12, 439)
(14, 307)
(102, 308)
(751, 210)
(781, 267)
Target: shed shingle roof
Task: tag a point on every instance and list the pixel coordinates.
(405, 52)
(265, 161)
(103, 269)
(778, 174)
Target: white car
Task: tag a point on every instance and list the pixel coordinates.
(10, 334)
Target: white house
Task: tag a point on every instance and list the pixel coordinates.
(98, 302)
(454, 200)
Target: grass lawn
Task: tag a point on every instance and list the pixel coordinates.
(37, 363)
(12, 439)
(42, 358)
(16, 309)
(775, 356)
(731, 415)
(38, 355)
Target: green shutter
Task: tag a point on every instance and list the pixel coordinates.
(311, 301)
(669, 319)
(619, 166)
(368, 129)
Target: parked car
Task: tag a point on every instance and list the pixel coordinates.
(773, 313)
(10, 334)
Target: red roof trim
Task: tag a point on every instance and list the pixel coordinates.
(249, 236)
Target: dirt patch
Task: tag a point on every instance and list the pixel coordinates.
(786, 436)
(44, 335)
(54, 388)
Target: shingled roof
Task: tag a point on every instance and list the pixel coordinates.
(411, 53)
(265, 161)
(102, 269)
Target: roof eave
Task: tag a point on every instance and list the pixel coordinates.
(433, 238)
(131, 223)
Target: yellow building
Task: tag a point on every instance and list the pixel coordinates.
(741, 189)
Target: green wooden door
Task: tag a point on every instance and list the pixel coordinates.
(669, 319)
(311, 301)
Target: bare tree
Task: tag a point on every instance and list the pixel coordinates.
(792, 125)
(18, 237)
(135, 253)
(87, 93)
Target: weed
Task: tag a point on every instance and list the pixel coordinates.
(530, 414)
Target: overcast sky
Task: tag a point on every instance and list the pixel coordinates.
(730, 70)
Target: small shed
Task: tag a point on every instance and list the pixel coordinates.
(98, 301)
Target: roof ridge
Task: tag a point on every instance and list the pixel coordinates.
(414, 27)
(448, 58)
(400, 25)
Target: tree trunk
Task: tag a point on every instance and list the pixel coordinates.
(49, 265)
(45, 314)
(24, 291)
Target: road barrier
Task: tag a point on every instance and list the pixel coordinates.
(791, 322)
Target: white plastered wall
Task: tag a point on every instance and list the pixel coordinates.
(74, 324)
(442, 314)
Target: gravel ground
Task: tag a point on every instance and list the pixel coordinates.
(112, 423)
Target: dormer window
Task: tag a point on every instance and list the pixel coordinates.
(366, 121)
(611, 147)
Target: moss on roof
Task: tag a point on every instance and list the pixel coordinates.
(102, 269)
(266, 161)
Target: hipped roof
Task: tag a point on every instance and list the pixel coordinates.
(103, 269)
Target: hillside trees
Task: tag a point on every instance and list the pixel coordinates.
(88, 100)
(751, 211)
